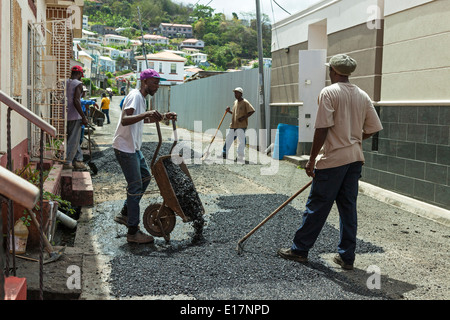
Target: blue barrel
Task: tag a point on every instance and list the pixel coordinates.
(286, 141)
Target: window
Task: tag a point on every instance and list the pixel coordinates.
(160, 68)
(173, 68)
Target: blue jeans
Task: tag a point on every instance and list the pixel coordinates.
(137, 175)
(338, 184)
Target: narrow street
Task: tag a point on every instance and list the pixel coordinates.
(400, 255)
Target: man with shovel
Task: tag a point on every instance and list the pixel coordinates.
(127, 143)
(242, 110)
(345, 118)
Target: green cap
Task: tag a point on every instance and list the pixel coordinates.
(342, 64)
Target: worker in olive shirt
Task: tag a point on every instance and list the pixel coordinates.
(242, 110)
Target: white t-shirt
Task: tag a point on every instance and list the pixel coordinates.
(347, 112)
(129, 138)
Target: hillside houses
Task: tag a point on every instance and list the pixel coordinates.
(103, 49)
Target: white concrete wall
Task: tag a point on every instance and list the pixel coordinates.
(416, 59)
(339, 15)
(396, 6)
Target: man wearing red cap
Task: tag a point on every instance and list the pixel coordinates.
(75, 118)
(127, 143)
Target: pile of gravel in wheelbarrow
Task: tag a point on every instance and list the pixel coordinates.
(187, 196)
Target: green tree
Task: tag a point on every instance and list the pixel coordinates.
(202, 12)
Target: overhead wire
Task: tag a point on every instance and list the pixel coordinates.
(278, 42)
(281, 7)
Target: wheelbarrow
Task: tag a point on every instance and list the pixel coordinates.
(159, 219)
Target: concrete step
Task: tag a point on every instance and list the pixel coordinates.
(77, 188)
(298, 160)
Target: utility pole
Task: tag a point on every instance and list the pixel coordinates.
(142, 37)
(262, 104)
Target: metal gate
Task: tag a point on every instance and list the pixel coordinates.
(51, 51)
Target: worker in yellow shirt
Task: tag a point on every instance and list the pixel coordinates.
(105, 106)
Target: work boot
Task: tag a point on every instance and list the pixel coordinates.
(79, 165)
(289, 255)
(338, 260)
(122, 217)
(67, 166)
(139, 237)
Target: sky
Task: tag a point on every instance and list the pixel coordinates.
(249, 6)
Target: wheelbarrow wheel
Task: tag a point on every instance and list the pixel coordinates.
(167, 218)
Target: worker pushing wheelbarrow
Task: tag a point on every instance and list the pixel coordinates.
(178, 192)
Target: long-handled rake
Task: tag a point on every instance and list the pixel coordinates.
(240, 245)
(205, 155)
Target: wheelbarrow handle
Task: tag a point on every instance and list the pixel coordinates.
(158, 129)
(175, 135)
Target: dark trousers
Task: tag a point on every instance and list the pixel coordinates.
(338, 184)
(106, 112)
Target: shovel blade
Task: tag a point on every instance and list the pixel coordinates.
(55, 255)
(93, 167)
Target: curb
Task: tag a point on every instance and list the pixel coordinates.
(417, 207)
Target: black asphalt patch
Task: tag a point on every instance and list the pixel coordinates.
(212, 269)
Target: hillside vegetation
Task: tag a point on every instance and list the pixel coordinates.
(228, 42)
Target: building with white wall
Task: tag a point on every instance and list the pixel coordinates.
(85, 22)
(153, 39)
(199, 57)
(174, 30)
(115, 40)
(106, 64)
(402, 49)
(192, 44)
(169, 65)
(86, 60)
